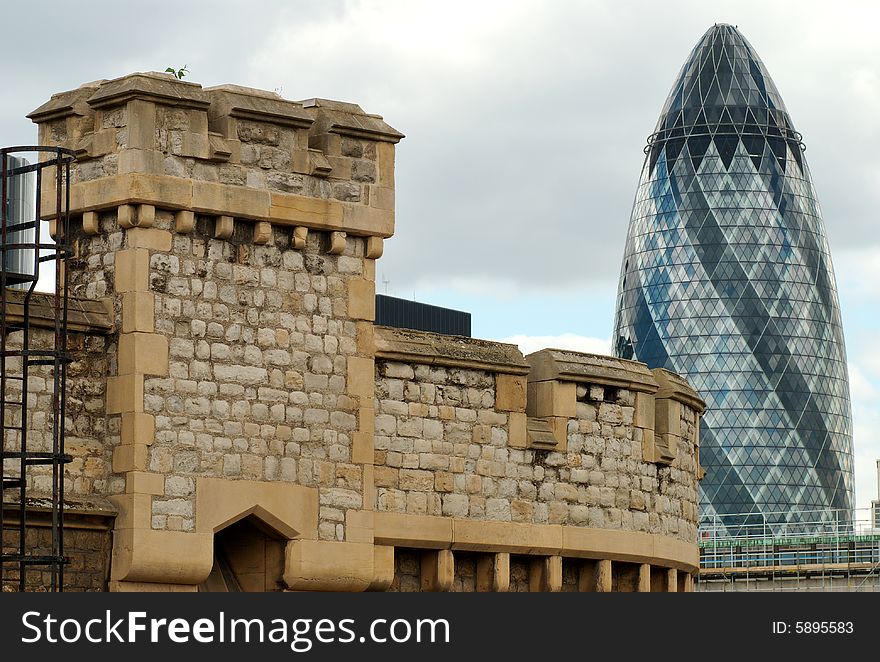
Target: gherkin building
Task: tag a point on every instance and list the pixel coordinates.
(727, 280)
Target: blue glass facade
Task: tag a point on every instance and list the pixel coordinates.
(727, 280)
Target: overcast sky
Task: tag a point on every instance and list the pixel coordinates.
(525, 123)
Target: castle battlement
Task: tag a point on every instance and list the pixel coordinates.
(237, 412)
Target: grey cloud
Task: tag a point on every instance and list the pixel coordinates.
(521, 163)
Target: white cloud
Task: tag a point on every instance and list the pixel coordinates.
(572, 341)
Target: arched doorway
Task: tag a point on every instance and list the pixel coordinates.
(248, 557)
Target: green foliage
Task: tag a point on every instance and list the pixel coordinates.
(178, 73)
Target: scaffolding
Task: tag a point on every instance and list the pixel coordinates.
(32, 456)
(821, 550)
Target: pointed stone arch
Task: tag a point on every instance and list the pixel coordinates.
(250, 524)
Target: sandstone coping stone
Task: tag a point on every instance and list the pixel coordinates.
(423, 347)
(83, 315)
(565, 365)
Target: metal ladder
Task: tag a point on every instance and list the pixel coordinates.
(25, 563)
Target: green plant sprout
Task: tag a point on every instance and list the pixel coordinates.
(177, 73)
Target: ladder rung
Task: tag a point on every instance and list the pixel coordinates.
(60, 359)
(16, 279)
(37, 457)
(9, 483)
(27, 559)
(26, 225)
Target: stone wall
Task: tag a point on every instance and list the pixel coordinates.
(445, 445)
(231, 237)
(88, 344)
(87, 544)
(256, 386)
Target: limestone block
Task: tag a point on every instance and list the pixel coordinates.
(552, 398)
(369, 486)
(141, 482)
(138, 312)
(603, 576)
(337, 243)
(137, 428)
(262, 232)
(298, 237)
(383, 568)
(437, 570)
(134, 510)
(132, 270)
(292, 209)
(516, 433)
(141, 124)
(340, 167)
(97, 144)
(374, 248)
(359, 526)
(545, 574)
(184, 221)
(559, 425)
(361, 299)
(198, 146)
(223, 227)
(146, 216)
(148, 161)
(361, 376)
(125, 394)
(510, 392)
(172, 557)
(229, 200)
(321, 565)
(90, 223)
(648, 451)
(290, 510)
(149, 238)
(143, 353)
(399, 529)
(366, 340)
(508, 537)
(382, 197)
(125, 216)
(667, 416)
(493, 573)
(644, 583)
(362, 448)
(644, 414)
(671, 580)
(368, 220)
(370, 269)
(131, 457)
(385, 159)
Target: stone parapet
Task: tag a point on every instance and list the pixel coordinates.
(148, 141)
(83, 315)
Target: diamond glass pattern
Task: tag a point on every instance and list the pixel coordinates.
(727, 280)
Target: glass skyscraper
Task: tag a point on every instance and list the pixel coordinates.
(727, 280)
